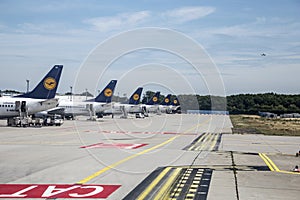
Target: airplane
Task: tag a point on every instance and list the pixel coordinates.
(92, 107)
(165, 104)
(175, 106)
(39, 99)
(152, 106)
(130, 107)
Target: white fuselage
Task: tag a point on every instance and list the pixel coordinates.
(10, 106)
(117, 108)
(81, 108)
(164, 108)
(150, 108)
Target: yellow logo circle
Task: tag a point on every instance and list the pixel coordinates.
(49, 83)
(175, 101)
(155, 99)
(167, 100)
(136, 97)
(108, 92)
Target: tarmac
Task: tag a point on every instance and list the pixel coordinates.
(179, 156)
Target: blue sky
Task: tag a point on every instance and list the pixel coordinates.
(35, 35)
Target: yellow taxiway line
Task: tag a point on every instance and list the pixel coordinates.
(272, 165)
(85, 180)
(164, 191)
(153, 184)
(124, 160)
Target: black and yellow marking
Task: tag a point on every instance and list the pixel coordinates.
(205, 142)
(49, 83)
(193, 184)
(174, 183)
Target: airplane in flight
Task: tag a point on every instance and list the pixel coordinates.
(39, 99)
(131, 107)
(92, 107)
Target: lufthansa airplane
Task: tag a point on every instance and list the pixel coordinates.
(39, 99)
(165, 104)
(91, 107)
(130, 107)
(152, 106)
(175, 106)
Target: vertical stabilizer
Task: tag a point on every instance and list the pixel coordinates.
(136, 96)
(106, 94)
(154, 99)
(166, 101)
(47, 87)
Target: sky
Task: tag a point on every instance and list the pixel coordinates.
(231, 35)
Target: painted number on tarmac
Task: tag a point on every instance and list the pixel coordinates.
(114, 145)
(56, 191)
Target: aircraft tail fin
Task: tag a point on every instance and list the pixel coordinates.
(47, 87)
(175, 102)
(136, 96)
(154, 99)
(106, 94)
(167, 100)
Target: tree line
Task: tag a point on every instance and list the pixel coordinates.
(267, 102)
(241, 103)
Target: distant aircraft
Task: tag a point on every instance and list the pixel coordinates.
(175, 106)
(263, 54)
(131, 107)
(91, 107)
(39, 99)
(152, 105)
(165, 104)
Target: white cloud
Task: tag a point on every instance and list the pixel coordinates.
(185, 14)
(123, 20)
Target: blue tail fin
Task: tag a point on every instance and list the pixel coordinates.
(136, 96)
(167, 100)
(107, 93)
(175, 102)
(154, 99)
(46, 89)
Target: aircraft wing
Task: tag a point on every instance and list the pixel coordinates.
(58, 111)
(49, 101)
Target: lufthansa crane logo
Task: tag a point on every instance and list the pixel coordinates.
(49, 83)
(136, 97)
(175, 101)
(167, 100)
(108, 92)
(155, 99)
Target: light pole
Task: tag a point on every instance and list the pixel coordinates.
(27, 81)
(71, 93)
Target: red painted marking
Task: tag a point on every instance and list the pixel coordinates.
(175, 133)
(169, 133)
(56, 191)
(145, 132)
(114, 145)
